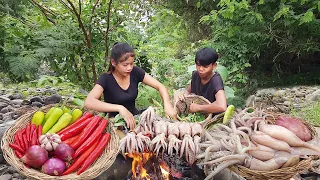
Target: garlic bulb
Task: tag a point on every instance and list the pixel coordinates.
(49, 141)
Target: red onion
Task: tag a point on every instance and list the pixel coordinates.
(35, 156)
(64, 152)
(54, 167)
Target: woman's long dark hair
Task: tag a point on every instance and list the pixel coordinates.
(120, 52)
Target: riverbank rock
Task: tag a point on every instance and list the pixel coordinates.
(284, 99)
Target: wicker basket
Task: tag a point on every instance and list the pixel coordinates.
(209, 123)
(279, 174)
(106, 159)
(182, 106)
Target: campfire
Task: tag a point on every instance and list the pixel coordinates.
(148, 166)
(161, 149)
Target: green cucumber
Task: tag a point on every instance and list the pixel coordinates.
(228, 114)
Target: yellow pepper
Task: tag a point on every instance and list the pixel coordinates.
(65, 109)
(54, 117)
(76, 114)
(63, 121)
(37, 118)
(48, 115)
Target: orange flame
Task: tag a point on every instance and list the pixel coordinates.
(139, 159)
(164, 170)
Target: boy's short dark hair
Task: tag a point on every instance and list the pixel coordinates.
(206, 56)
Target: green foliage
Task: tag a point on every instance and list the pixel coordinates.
(147, 97)
(49, 80)
(262, 35)
(309, 113)
(193, 117)
(19, 60)
(46, 86)
(167, 46)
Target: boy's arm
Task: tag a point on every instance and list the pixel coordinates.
(218, 106)
(189, 89)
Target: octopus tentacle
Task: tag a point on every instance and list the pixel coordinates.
(226, 158)
(222, 166)
(183, 145)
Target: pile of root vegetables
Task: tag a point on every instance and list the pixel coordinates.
(258, 141)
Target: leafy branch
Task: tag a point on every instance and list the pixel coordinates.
(45, 11)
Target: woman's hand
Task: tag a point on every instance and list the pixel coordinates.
(194, 108)
(170, 112)
(128, 117)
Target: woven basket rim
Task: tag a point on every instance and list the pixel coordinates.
(190, 96)
(282, 173)
(105, 160)
(278, 174)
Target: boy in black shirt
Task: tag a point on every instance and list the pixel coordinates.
(207, 83)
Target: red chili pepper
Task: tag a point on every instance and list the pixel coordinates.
(92, 139)
(16, 139)
(78, 162)
(28, 129)
(16, 147)
(86, 115)
(96, 152)
(33, 127)
(34, 138)
(75, 130)
(86, 132)
(20, 137)
(25, 140)
(71, 140)
(39, 133)
(18, 154)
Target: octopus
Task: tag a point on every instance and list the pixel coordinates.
(143, 142)
(196, 130)
(187, 146)
(133, 142)
(128, 143)
(146, 119)
(174, 142)
(159, 141)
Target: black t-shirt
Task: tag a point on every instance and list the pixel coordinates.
(209, 89)
(114, 94)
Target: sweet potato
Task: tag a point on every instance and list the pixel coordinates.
(295, 126)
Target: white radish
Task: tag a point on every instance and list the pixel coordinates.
(270, 165)
(261, 155)
(266, 140)
(305, 151)
(284, 134)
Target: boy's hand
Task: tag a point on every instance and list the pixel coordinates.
(194, 108)
(182, 97)
(128, 117)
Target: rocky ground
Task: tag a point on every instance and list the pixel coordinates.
(13, 104)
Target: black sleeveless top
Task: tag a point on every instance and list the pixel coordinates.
(114, 94)
(209, 89)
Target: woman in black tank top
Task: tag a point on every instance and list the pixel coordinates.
(120, 87)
